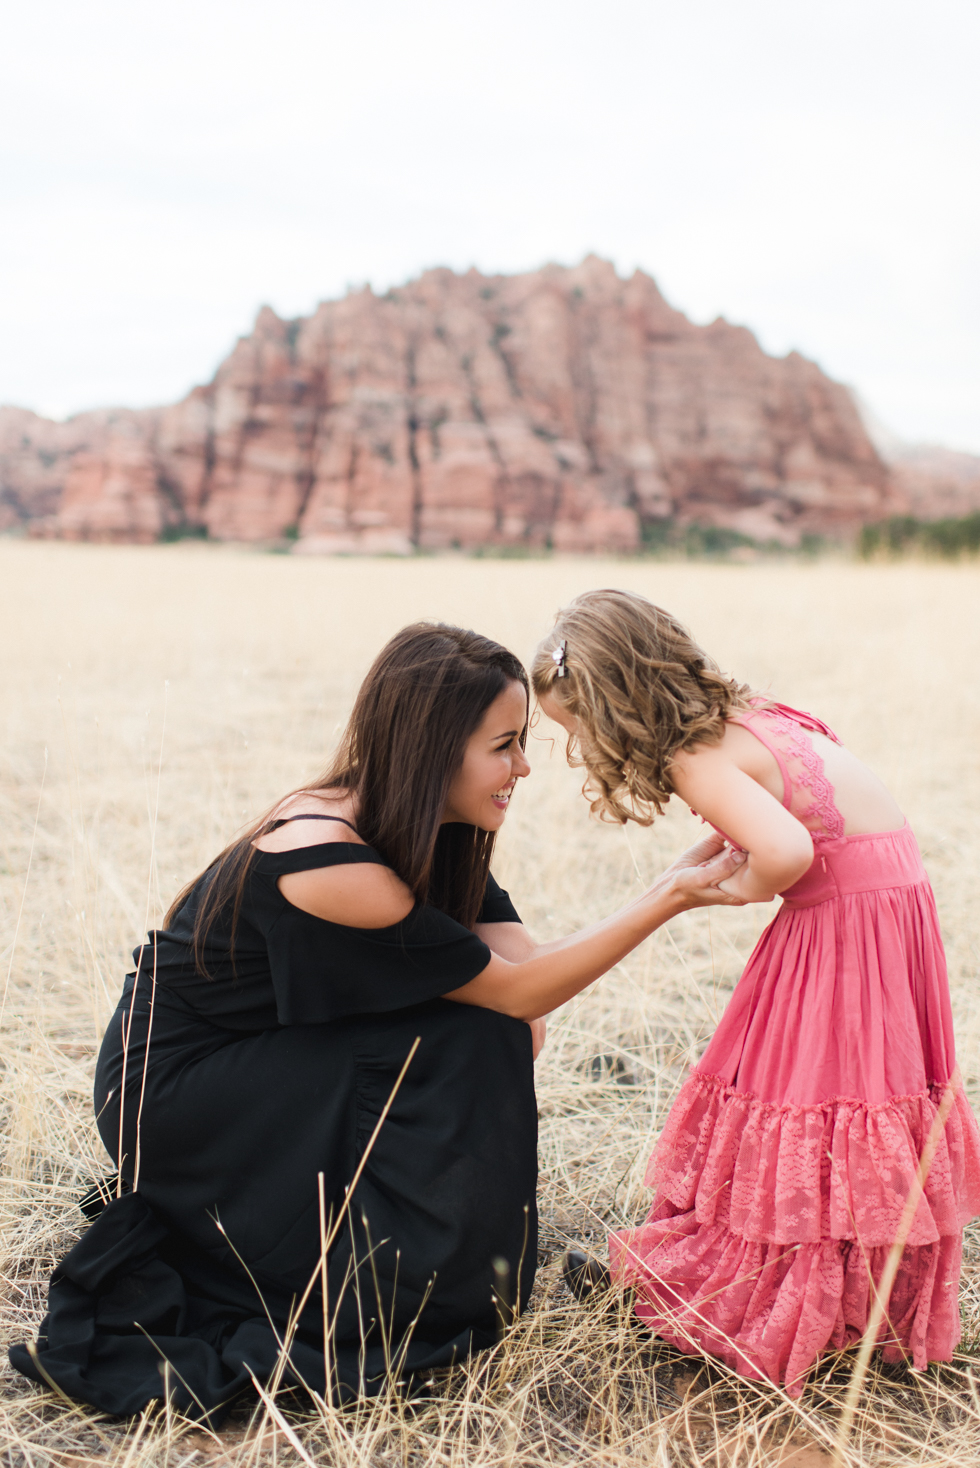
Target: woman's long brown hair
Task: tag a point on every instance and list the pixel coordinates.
(424, 696)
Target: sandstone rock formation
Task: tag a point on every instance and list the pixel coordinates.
(564, 407)
(934, 483)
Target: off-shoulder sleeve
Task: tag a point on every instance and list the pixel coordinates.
(324, 971)
(497, 906)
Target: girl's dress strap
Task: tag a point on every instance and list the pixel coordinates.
(754, 721)
(807, 793)
(807, 721)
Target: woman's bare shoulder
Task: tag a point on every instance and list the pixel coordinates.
(358, 895)
(338, 805)
(353, 895)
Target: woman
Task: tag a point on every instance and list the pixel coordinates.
(319, 1080)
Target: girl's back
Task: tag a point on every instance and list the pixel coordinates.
(779, 784)
(769, 746)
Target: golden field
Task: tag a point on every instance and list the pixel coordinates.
(155, 699)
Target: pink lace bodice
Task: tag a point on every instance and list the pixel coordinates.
(807, 793)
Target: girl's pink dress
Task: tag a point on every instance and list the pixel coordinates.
(789, 1153)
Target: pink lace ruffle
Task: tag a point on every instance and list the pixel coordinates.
(771, 1310)
(802, 1174)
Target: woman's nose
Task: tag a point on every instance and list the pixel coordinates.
(521, 765)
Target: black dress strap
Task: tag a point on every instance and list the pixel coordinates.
(307, 816)
(309, 858)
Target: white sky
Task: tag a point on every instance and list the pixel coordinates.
(809, 169)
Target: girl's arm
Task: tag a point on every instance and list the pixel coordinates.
(779, 847)
(556, 972)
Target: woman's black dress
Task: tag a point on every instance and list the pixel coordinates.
(238, 1090)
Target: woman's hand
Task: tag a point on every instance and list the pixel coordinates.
(695, 876)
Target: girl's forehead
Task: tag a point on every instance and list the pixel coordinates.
(552, 709)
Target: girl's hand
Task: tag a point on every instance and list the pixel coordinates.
(694, 877)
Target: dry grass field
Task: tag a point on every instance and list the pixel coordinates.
(154, 699)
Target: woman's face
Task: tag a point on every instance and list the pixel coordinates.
(492, 765)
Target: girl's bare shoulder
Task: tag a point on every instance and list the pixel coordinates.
(730, 747)
(737, 749)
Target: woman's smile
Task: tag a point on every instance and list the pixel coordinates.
(500, 798)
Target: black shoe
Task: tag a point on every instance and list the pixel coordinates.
(584, 1276)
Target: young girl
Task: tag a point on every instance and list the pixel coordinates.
(780, 1177)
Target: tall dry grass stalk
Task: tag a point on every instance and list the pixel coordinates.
(255, 660)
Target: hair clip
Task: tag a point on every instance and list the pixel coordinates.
(558, 658)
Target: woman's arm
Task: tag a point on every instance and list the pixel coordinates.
(532, 986)
(779, 846)
(556, 972)
(513, 942)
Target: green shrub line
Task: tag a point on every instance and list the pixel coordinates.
(901, 535)
(171, 533)
(905, 535)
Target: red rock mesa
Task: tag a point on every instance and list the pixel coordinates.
(565, 408)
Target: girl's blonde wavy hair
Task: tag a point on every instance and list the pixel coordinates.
(640, 689)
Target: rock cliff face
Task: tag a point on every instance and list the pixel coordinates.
(565, 407)
(933, 483)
